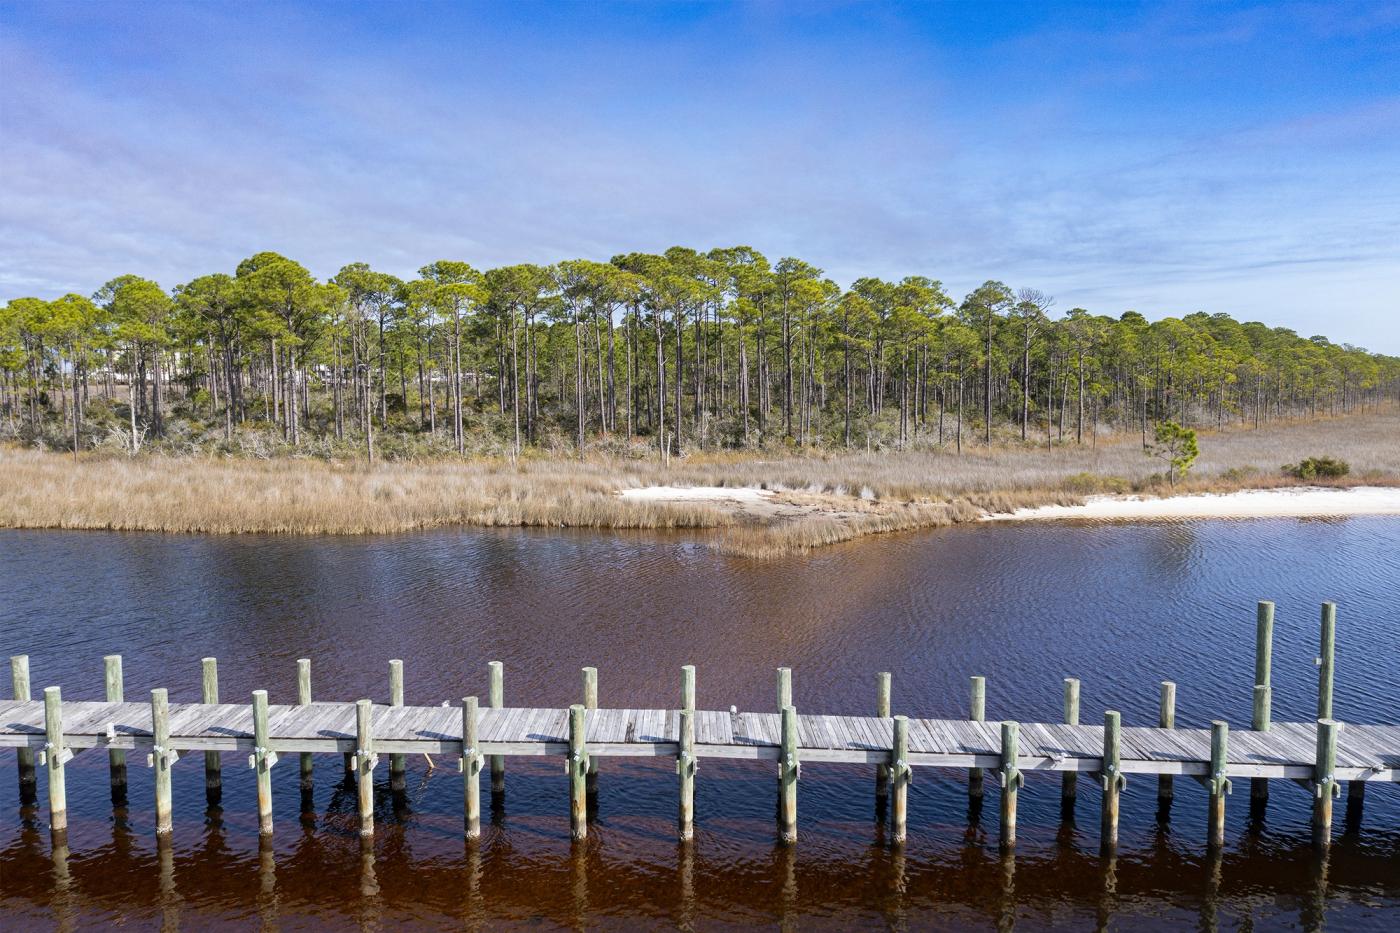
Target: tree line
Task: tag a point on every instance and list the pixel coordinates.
(684, 349)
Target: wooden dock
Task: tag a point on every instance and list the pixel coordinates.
(1321, 754)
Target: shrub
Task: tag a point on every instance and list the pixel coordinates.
(1317, 467)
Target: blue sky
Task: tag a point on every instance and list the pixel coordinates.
(1166, 158)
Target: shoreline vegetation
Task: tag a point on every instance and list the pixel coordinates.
(767, 505)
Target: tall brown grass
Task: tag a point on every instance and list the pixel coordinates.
(836, 496)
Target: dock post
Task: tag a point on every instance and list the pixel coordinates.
(900, 776)
(263, 760)
(687, 686)
(590, 701)
(497, 700)
(28, 780)
(1325, 784)
(471, 769)
(1113, 779)
(882, 709)
(1325, 659)
(577, 767)
(1262, 719)
(685, 767)
(397, 779)
(56, 756)
(213, 774)
(977, 713)
(686, 764)
(304, 699)
(789, 770)
(116, 757)
(1166, 719)
(364, 762)
(1218, 783)
(1011, 782)
(1069, 781)
(784, 688)
(162, 757)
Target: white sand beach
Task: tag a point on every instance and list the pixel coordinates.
(1288, 502)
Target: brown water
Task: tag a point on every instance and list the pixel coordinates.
(1121, 607)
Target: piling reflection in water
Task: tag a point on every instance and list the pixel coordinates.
(1027, 607)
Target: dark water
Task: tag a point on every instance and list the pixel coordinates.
(1121, 607)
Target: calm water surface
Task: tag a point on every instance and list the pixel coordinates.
(1121, 607)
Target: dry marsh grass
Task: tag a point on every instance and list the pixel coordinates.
(830, 497)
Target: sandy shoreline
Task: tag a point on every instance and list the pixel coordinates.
(1287, 502)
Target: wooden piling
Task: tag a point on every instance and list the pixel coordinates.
(686, 764)
(1325, 784)
(471, 769)
(1217, 783)
(789, 769)
(784, 688)
(882, 709)
(685, 768)
(688, 686)
(497, 699)
(1166, 719)
(1262, 718)
(590, 701)
(1325, 659)
(162, 757)
(1011, 781)
(977, 713)
(56, 758)
(304, 699)
(397, 777)
(263, 760)
(900, 776)
(1112, 777)
(364, 764)
(28, 780)
(578, 772)
(213, 773)
(1069, 782)
(116, 758)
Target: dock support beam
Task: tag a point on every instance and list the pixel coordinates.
(1011, 782)
(304, 699)
(1112, 778)
(977, 713)
(116, 757)
(882, 772)
(1262, 719)
(1069, 782)
(56, 757)
(162, 757)
(901, 774)
(578, 772)
(590, 701)
(1166, 719)
(364, 762)
(496, 697)
(1217, 783)
(789, 770)
(397, 778)
(471, 770)
(1325, 784)
(209, 693)
(28, 780)
(263, 760)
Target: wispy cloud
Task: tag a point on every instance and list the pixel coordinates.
(1221, 158)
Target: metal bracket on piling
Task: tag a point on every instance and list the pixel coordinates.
(166, 757)
(1108, 776)
(686, 763)
(470, 761)
(262, 757)
(363, 759)
(899, 768)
